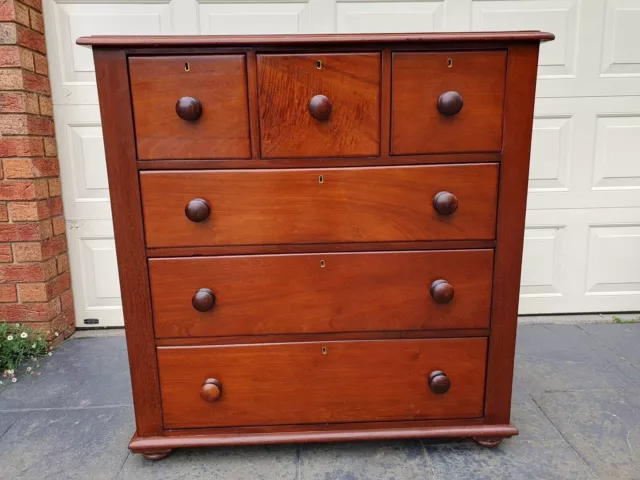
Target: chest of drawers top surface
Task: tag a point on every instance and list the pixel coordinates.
(300, 218)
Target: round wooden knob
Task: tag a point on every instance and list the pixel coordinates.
(445, 203)
(197, 210)
(189, 108)
(203, 300)
(439, 383)
(211, 390)
(320, 108)
(442, 291)
(450, 103)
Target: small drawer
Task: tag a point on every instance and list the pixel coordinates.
(324, 105)
(449, 102)
(190, 107)
(333, 205)
(322, 382)
(321, 293)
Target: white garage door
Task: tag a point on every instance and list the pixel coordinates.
(582, 251)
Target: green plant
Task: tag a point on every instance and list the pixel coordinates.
(623, 321)
(18, 343)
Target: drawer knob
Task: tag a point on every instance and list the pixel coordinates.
(450, 103)
(197, 210)
(189, 108)
(211, 390)
(439, 383)
(203, 300)
(445, 203)
(320, 108)
(442, 291)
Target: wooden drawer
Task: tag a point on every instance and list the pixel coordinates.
(346, 123)
(321, 382)
(315, 293)
(428, 89)
(341, 205)
(195, 114)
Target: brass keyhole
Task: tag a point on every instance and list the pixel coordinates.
(450, 62)
(324, 350)
(322, 264)
(187, 67)
(321, 179)
(319, 64)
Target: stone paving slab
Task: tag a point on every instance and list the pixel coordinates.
(398, 460)
(81, 373)
(7, 419)
(621, 339)
(270, 462)
(74, 444)
(602, 426)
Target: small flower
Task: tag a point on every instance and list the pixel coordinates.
(14, 380)
(49, 353)
(9, 372)
(28, 369)
(1, 382)
(33, 345)
(57, 334)
(18, 324)
(24, 335)
(10, 337)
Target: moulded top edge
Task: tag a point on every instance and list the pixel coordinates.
(297, 40)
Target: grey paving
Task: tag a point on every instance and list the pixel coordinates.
(67, 444)
(80, 373)
(400, 460)
(576, 401)
(272, 462)
(602, 426)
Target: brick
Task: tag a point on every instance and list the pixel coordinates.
(66, 300)
(50, 148)
(30, 167)
(21, 147)
(30, 312)
(62, 262)
(59, 225)
(54, 246)
(20, 232)
(6, 256)
(25, 211)
(54, 188)
(13, 124)
(11, 10)
(35, 4)
(8, 34)
(30, 39)
(14, 56)
(8, 294)
(19, 102)
(11, 79)
(4, 213)
(40, 126)
(63, 324)
(33, 272)
(34, 82)
(46, 107)
(37, 21)
(44, 291)
(40, 64)
(24, 189)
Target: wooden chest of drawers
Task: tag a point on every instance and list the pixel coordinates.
(319, 237)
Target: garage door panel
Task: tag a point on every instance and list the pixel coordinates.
(391, 17)
(621, 38)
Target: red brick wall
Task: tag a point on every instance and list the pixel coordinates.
(35, 284)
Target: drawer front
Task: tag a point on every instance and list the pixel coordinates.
(339, 292)
(194, 114)
(447, 102)
(321, 382)
(319, 105)
(342, 205)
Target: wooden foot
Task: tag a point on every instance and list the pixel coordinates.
(489, 442)
(158, 455)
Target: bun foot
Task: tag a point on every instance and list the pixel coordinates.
(159, 455)
(488, 442)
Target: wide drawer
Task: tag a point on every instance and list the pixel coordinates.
(339, 292)
(190, 107)
(447, 102)
(319, 105)
(321, 382)
(341, 205)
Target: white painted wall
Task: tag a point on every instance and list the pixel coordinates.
(582, 248)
